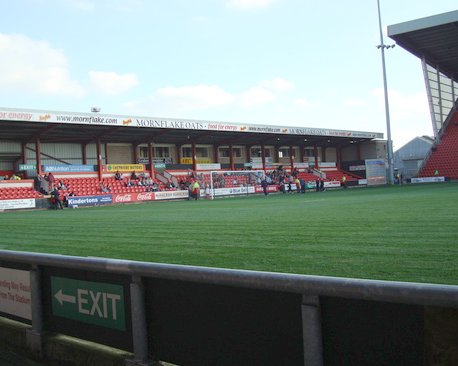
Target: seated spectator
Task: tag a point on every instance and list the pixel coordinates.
(104, 188)
(118, 175)
(133, 176)
(61, 185)
(129, 183)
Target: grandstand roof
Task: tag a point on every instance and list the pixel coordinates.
(48, 126)
(434, 38)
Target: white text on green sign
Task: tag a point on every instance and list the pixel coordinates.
(95, 303)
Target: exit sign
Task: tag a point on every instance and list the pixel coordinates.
(96, 303)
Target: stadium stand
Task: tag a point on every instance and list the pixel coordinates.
(19, 192)
(443, 159)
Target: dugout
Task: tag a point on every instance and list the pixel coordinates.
(33, 138)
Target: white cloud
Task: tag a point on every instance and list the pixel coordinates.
(278, 85)
(256, 96)
(248, 4)
(35, 67)
(172, 100)
(112, 83)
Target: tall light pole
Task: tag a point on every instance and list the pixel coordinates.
(389, 142)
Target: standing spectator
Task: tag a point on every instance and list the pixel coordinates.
(195, 189)
(298, 185)
(264, 186)
(344, 181)
(50, 180)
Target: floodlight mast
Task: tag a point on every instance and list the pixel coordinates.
(389, 142)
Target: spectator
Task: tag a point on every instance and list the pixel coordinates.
(61, 185)
(298, 185)
(104, 187)
(118, 175)
(50, 179)
(264, 186)
(133, 176)
(195, 190)
(56, 202)
(343, 182)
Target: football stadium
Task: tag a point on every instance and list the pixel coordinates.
(191, 242)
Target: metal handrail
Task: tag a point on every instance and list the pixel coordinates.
(364, 289)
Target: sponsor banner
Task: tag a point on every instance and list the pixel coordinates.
(332, 184)
(133, 197)
(124, 167)
(156, 161)
(170, 123)
(428, 180)
(208, 166)
(354, 168)
(15, 294)
(89, 200)
(68, 168)
(259, 160)
(233, 191)
(270, 189)
(362, 181)
(171, 195)
(327, 164)
(301, 165)
(198, 160)
(19, 203)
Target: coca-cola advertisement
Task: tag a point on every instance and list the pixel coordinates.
(133, 197)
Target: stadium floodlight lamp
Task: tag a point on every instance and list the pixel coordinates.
(389, 142)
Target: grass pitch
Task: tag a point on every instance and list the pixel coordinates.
(407, 233)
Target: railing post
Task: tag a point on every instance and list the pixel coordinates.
(311, 331)
(139, 330)
(34, 336)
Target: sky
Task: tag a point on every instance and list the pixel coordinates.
(307, 63)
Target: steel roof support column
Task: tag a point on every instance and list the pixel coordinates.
(231, 157)
(291, 157)
(38, 156)
(135, 153)
(338, 157)
(263, 157)
(194, 157)
(248, 153)
(311, 331)
(84, 153)
(301, 153)
(315, 155)
(152, 172)
(99, 159)
(215, 153)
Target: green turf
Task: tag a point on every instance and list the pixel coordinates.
(407, 233)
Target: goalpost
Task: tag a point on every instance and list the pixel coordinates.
(219, 183)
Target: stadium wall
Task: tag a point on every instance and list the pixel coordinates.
(206, 316)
